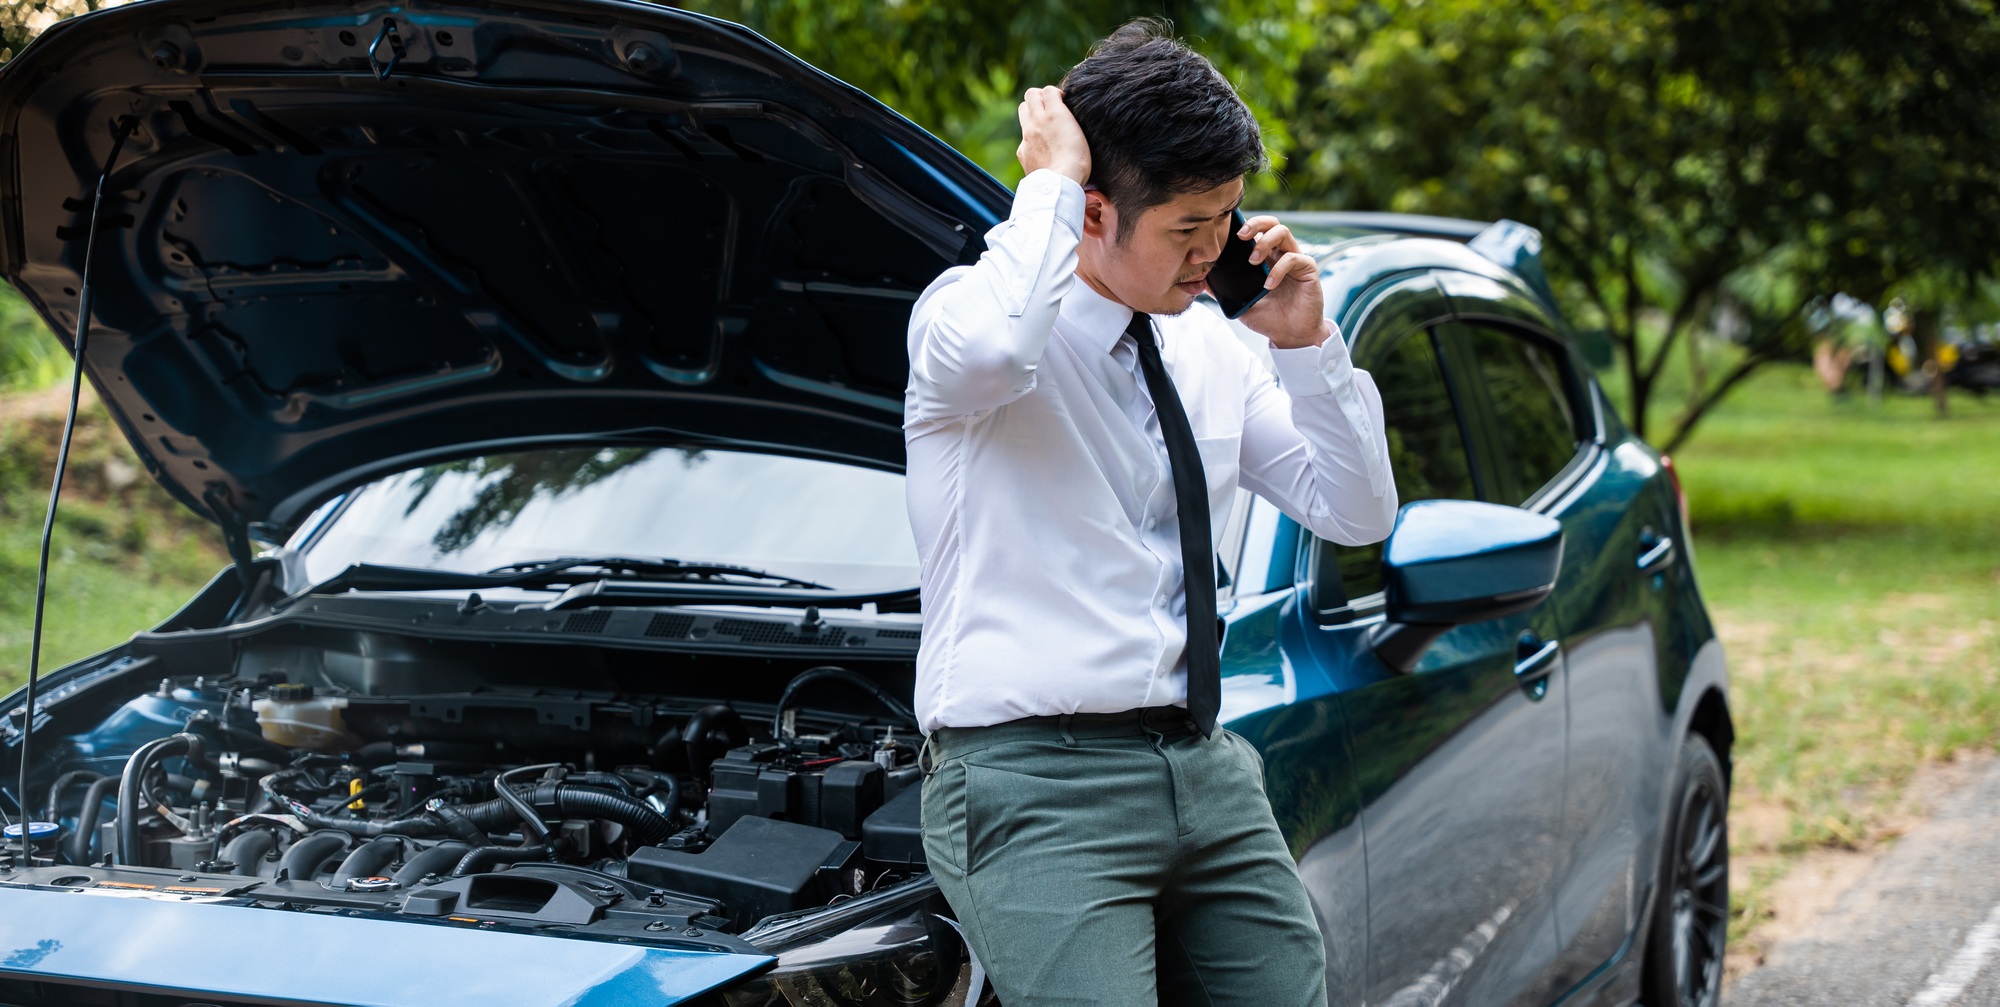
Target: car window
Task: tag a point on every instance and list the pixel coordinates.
(1426, 455)
(1533, 433)
(840, 525)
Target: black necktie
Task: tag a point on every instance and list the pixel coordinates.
(1204, 663)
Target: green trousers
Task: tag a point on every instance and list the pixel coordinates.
(1114, 859)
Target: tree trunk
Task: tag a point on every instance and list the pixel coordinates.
(1924, 324)
(1685, 429)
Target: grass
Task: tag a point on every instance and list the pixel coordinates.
(1851, 556)
(29, 357)
(125, 555)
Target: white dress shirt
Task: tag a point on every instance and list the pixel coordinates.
(1039, 487)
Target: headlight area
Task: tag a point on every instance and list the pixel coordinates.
(891, 948)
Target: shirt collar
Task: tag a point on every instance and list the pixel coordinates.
(1097, 320)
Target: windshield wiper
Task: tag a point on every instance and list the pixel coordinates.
(703, 578)
(650, 569)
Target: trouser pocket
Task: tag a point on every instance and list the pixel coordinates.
(941, 811)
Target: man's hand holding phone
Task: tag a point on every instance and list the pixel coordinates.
(1291, 313)
(1050, 137)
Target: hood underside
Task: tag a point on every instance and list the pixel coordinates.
(343, 240)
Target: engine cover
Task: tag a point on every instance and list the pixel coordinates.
(759, 867)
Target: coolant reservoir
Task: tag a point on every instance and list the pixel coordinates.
(295, 718)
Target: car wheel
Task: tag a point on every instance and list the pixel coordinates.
(1691, 914)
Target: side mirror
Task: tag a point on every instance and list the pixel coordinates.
(1451, 562)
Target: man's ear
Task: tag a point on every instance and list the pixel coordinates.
(1100, 218)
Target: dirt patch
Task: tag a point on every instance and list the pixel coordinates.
(1797, 901)
(1795, 897)
(1746, 641)
(1758, 824)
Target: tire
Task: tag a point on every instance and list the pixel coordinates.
(1690, 922)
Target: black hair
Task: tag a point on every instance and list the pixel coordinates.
(1160, 120)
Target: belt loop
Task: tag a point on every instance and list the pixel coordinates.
(1062, 725)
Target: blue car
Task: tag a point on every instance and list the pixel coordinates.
(541, 367)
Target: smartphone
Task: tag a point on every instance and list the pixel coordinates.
(1234, 280)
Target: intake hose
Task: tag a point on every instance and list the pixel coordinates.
(195, 789)
(86, 819)
(713, 730)
(301, 862)
(368, 859)
(129, 787)
(571, 801)
(248, 850)
(531, 822)
(653, 783)
(457, 825)
(568, 800)
(476, 861)
(600, 780)
(64, 782)
(439, 859)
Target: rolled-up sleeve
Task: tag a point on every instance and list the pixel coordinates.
(977, 333)
(1317, 448)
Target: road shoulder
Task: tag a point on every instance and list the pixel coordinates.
(1910, 926)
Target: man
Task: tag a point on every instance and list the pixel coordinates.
(1076, 436)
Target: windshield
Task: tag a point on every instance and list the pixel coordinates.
(838, 525)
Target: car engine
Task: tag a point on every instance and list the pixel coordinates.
(529, 805)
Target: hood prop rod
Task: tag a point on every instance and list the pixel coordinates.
(119, 131)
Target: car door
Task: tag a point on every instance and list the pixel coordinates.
(1609, 595)
(1459, 764)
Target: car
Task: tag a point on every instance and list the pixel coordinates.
(540, 365)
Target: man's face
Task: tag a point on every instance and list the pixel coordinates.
(1161, 266)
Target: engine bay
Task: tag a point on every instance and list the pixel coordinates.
(308, 778)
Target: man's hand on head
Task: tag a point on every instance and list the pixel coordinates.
(1293, 314)
(1050, 137)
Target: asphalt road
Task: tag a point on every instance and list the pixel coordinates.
(1920, 928)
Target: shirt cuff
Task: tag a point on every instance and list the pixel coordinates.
(1048, 189)
(1314, 370)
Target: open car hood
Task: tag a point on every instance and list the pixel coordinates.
(345, 239)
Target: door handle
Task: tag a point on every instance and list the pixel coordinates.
(1656, 552)
(1537, 659)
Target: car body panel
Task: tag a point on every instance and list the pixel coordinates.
(168, 943)
(1463, 799)
(314, 274)
(1436, 795)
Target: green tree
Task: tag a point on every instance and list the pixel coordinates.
(510, 482)
(958, 68)
(1679, 159)
(22, 20)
